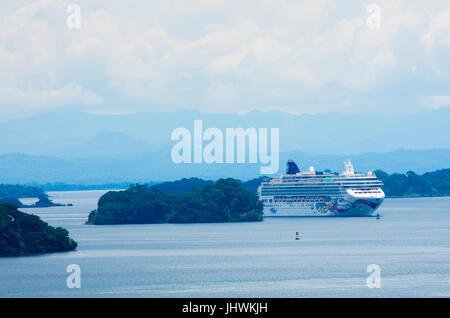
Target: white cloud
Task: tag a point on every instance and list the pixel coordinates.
(302, 74)
(304, 11)
(32, 99)
(226, 62)
(173, 54)
(435, 102)
(267, 49)
(438, 29)
(221, 93)
(384, 59)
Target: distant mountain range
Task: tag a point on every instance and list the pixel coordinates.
(157, 166)
(83, 148)
(77, 135)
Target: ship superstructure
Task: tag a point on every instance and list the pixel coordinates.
(298, 193)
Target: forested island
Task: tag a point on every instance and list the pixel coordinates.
(193, 201)
(26, 234)
(12, 193)
(410, 184)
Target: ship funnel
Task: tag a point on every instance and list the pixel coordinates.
(291, 167)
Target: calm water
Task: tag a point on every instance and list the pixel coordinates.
(411, 243)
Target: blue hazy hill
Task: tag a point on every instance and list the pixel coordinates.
(157, 166)
(70, 135)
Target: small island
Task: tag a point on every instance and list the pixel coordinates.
(12, 193)
(27, 234)
(223, 201)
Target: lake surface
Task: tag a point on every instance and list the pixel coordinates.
(410, 243)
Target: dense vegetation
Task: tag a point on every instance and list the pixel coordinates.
(12, 193)
(185, 185)
(410, 184)
(20, 191)
(24, 234)
(181, 186)
(223, 201)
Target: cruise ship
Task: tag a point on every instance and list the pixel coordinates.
(313, 192)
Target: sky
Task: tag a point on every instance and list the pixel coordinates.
(224, 56)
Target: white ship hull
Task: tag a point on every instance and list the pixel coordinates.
(348, 206)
